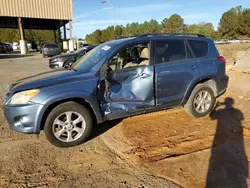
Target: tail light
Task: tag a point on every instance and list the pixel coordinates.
(222, 59)
(45, 49)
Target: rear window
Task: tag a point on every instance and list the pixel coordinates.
(200, 48)
(171, 51)
(50, 45)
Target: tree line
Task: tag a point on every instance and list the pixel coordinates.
(31, 35)
(234, 23)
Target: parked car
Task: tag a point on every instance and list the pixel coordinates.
(15, 45)
(66, 60)
(223, 41)
(118, 79)
(50, 49)
(9, 47)
(40, 46)
(235, 40)
(2, 48)
(32, 46)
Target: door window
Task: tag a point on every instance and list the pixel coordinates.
(171, 51)
(200, 48)
(131, 56)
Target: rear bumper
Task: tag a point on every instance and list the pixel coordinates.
(50, 54)
(22, 118)
(223, 84)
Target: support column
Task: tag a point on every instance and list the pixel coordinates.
(64, 32)
(55, 39)
(23, 45)
(70, 30)
(71, 43)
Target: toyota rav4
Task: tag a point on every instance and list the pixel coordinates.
(118, 79)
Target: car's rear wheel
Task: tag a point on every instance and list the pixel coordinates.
(201, 101)
(69, 124)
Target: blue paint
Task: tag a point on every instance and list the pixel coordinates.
(120, 93)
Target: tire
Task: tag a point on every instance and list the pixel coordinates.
(59, 113)
(67, 64)
(192, 105)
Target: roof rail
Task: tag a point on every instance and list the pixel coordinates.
(170, 34)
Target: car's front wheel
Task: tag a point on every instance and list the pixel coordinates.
(69, 124)
(201, 101)
(68, 64)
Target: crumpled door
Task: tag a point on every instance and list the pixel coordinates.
(129, 90)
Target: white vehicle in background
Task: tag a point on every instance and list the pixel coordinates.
(29, 46)
(222, 41)
(15, 46)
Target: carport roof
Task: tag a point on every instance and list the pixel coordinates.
(35, 14)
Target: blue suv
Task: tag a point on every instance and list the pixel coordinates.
(118, 79)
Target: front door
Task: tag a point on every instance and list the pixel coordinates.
(129, 82)
(175, 69)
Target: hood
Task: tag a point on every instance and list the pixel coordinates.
(67, 55)
(49, 79)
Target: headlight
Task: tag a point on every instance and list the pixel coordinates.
(54, 60)
(24, 97)
(57, 59)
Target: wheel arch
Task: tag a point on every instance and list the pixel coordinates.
(210, 81)
(91, 105)
(70, 60)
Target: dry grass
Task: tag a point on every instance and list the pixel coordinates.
(229, 51)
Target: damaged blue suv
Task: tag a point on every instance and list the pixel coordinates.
(118, 79)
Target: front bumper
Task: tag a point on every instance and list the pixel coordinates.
(23, 118)
(57, 64)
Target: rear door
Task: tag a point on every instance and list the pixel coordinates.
(129, 83)
(175, 68)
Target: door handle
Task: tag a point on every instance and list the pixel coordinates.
(193, 67)
(144, 75)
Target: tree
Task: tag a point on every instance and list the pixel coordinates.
(229, 23)
(154, 26)
(118, 31)
(204, 28)
(233, 23)
(13, 35)
(244, 24)
(9, 35)
(174, 24)
(164, 25)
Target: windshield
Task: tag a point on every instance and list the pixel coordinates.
(79, 50)
(88, 61)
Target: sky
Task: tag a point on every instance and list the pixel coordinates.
(89, 15)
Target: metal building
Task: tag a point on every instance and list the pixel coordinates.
(35, 14)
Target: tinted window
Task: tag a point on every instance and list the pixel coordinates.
(51, 45)
(170, 50)
(199, 48)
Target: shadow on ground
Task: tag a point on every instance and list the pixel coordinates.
(228, 165)
(103, 127)
(14, 55)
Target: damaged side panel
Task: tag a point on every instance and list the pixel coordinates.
(129, 90)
